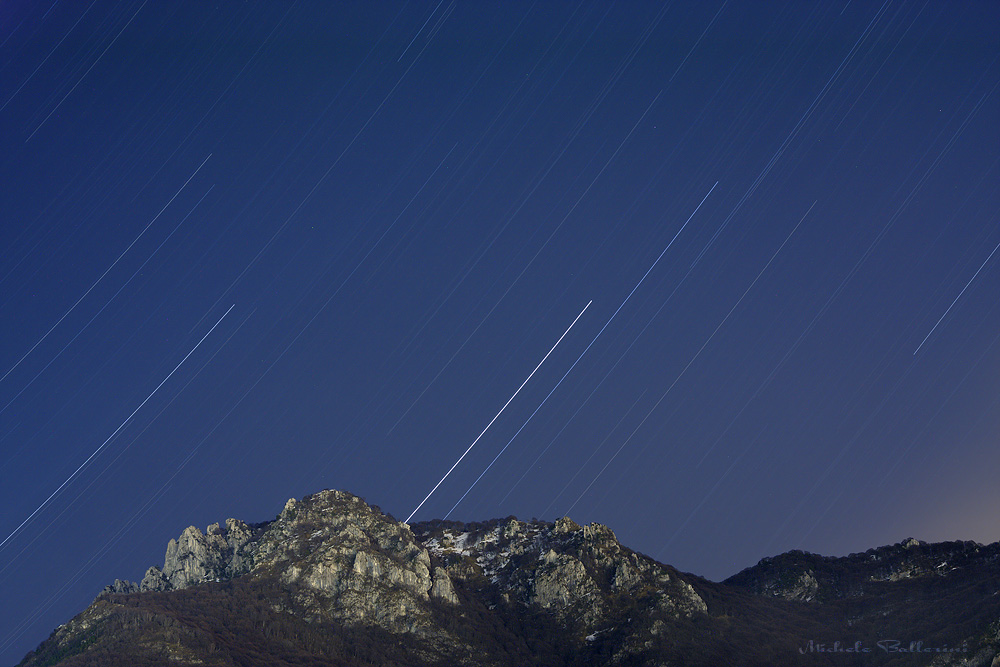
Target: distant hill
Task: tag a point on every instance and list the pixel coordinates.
(334, 581)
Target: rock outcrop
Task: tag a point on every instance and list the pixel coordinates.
(348, 559)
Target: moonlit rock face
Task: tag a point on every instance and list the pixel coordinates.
(154, 580)
(364, 564)
(442, 587)
(368, 566)
(563, 582)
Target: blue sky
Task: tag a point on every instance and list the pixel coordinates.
(256, 250)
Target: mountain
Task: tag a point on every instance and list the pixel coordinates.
(335, 581)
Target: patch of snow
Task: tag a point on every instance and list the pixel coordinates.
(460, 543)
(490, 537)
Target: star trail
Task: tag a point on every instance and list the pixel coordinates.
(255, 250)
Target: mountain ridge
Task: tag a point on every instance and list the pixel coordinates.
(333, 580)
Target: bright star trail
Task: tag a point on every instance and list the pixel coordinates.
(585, 350)
(952, 304)
(497, 415)
(407, 201)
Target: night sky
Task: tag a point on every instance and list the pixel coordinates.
(255, 250)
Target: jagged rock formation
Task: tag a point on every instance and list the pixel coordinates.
(195, 558)
(579, 573)
(334, 581)
(349, 560)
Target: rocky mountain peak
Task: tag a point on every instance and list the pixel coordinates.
(344, 557)
(565, 525)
